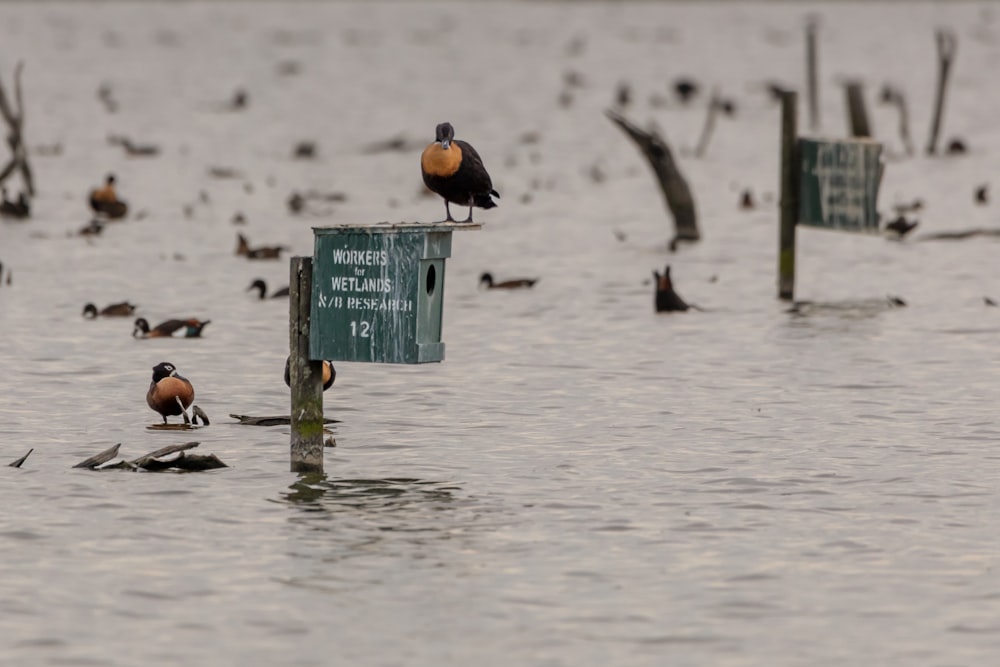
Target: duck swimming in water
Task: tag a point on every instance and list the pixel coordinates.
(192, 328)
(105, 200)
(261, 287)
(122, 309)
(169, 393)
(453, 169)
(516, 283)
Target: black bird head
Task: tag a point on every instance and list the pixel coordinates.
(111, 179)
(444, 134)
(163, 370)
(141, 326)
(90, 310)
(487, 278)
(260, 285)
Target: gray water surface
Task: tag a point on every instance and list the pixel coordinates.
(582, 481)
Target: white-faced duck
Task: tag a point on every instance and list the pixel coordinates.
(169, 393)
(515, 283)
(261, 288)
(329, 373)
(123, 309)
(104, 200)
(191, 327)
(453, 169)
(667, 300)
(262, 252)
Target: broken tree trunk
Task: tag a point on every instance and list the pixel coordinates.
(946, 46)
(14, 117)
(672, 183)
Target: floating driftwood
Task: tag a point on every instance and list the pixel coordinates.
(98, 459)
(165, 458)
(277, 420)
(960, 235)
(672, 183)
(18, 462)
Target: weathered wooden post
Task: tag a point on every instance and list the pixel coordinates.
(947, 44)
(857, 113)
(306, 376)
(811, 74)
(371, 294)
(789, 196)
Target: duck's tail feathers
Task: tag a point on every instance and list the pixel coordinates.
(484, 201)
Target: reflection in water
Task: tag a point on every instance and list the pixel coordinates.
(315, 492)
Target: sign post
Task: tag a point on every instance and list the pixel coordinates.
(828, 184)
(371, 294)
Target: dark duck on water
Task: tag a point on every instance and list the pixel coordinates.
(169, 393)
(192, 328)
(453, 169)
(123, 309)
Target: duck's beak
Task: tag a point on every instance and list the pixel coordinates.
(445, 143)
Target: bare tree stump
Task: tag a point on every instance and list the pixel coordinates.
(15, 138)
(947, 44)
(672, 183)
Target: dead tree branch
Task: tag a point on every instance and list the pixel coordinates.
(672, 183)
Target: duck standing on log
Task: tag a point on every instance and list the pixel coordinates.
(105, 200)
(169, 393)
(453, 169)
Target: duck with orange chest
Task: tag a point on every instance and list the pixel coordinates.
(453, 169)
(192, 328)
(104, 200)
(329, 373)
(169, 394)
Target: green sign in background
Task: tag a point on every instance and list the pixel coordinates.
(838, 187)
(378, 292)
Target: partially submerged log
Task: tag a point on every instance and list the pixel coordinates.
(98, 459)
(18, 462)
(960, 235)
(276, 420)
(672, 183)
(14, 117)
(165, 458)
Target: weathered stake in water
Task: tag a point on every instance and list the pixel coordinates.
(306, 376)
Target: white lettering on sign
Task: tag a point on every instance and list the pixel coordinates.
(361, 328)
(360, 284)
(366, 257)
(846, 185)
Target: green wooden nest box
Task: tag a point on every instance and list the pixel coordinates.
(378, 292)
